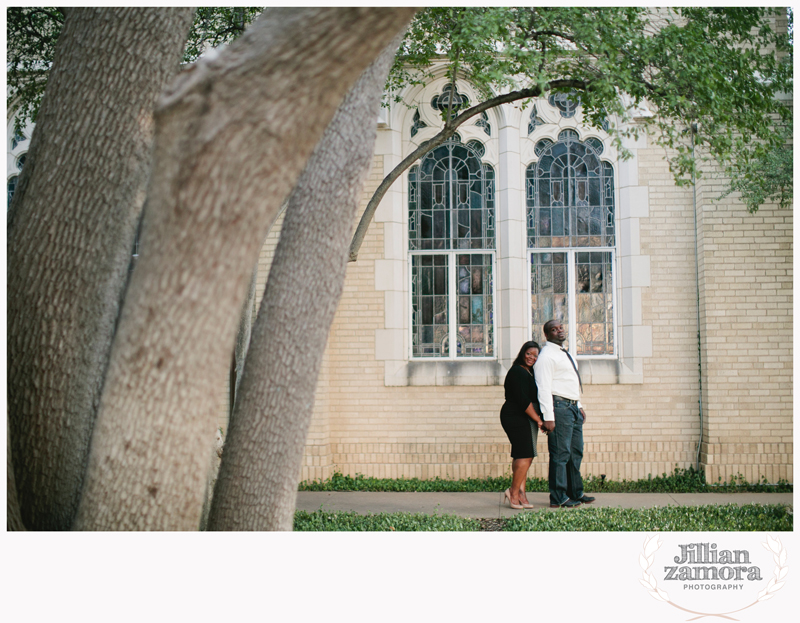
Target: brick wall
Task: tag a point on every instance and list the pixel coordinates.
(633, 430)
(746, 312)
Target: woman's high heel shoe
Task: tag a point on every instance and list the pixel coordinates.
(507, 494)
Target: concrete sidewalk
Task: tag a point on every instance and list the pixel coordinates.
(490, 505)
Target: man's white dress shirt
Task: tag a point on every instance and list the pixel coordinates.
(555, 376)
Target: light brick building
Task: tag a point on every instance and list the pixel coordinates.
(683, 305)
(672, 266)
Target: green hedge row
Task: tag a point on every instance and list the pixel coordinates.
(680, 481)
(711, 518)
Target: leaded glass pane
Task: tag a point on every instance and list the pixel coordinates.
(594, 303)
(570, 196)
(429, 300)
(606, 190)
(17, 139)
(483, 122)
(549, 290)
(475, 305)
(441, 102)
(451, 209)
(11, 187)
(541, 146)
(451, 200)
(477, 147)
(413, 207)
(417, 125)
(566, 103)
(535, 121)
(567, 135)
(21, 161)
(596, 144)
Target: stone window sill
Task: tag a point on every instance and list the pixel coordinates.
(486, 373)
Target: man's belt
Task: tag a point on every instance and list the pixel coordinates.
(562, 399)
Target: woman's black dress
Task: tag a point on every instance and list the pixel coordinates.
(522, 431)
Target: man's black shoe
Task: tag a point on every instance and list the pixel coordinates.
(567, 504)
(587, 499)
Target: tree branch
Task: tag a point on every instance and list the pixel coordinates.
(446, 133)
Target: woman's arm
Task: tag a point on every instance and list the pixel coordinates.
(531, 413)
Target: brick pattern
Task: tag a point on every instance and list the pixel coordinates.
(746, 312)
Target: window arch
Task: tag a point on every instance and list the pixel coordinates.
(451, 234)
(571, 242)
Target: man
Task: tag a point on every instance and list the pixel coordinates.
(559, 386)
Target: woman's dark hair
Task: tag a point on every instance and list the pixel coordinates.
(521, 357)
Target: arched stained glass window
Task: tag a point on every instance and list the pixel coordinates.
(571, 241)
(451, 200)
(451, 233)
(570, 197)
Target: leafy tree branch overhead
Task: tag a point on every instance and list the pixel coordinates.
(716, 69)
(719, 70)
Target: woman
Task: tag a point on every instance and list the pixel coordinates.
(521, 418)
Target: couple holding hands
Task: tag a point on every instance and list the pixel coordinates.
(542, 391)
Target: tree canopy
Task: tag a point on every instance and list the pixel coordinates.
(32, 33)
(718, 67)
(719, 70)
(704, 82)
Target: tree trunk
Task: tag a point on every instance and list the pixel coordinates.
(257, 484)
(232, 136)
(243, 337)
(70, 233)
(13, 518)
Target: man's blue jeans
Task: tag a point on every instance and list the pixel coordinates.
(565, 445)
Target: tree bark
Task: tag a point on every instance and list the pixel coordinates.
(70, 233)
(233, 134)
(257, 483)
(13, 517)
(243, 337)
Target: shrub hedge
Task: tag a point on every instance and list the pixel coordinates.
(680, 481)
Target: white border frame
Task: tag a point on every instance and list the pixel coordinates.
(571, 251)
(452, 303)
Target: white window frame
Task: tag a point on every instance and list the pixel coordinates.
(571, 295)
(452, 304)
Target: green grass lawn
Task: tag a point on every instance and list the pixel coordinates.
(710, 518)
